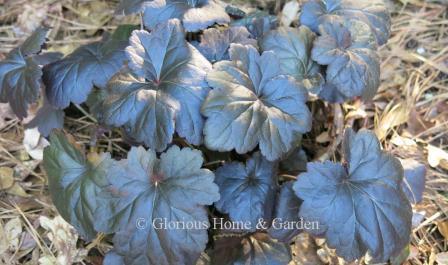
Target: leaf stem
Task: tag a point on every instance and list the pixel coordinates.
(141, 21)
(286, 176)
(85, 113)
(214, 163)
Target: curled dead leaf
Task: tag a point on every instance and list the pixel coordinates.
(394, 115)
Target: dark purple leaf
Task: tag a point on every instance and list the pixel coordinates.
(256, 249)
(286, 222)
(253, 103)
(20, 74)
(72, 78)
(359, 207)
(258, 23)
(47, 118)
(348, 50)
(194, 14)
(145, 193)
(162, 90)
(247, 191)
(371, 12)
(293, 49)
(75, 181)
(215, 42)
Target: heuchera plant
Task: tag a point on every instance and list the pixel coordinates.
(236, 91)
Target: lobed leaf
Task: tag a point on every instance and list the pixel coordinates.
(293, 49)
(353, 68)
(247, 191)
(47, 118)
(72, 78)
(144, 192)
(147, 113)
(256, 249)
(215, 42)
(286, 213)
(20, 74)
(360, 207)
(47, 58)
(252, 103)
(264, 250)
(33, 44)
(75, 182)
(373, 13)
(195, 15)
(258, 23)
(162, 90)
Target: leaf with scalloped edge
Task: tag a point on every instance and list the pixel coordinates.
(247, 191)
(258, 23)
(72, 78)
(20, 74)
(162, 90)
(286, 222)
(359, 205)
(75, 181)
(348, 49)
(47, 118)
(256, 249)
(371, 12)
(215, 42)
(252, 103)
(195, 15)
(292, 47)
(45, 58)
(143, 193)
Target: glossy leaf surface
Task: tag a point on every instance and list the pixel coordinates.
(194, 14)
(253, 103)
(349, 51)
(72, 78)
(373, 13)
(215, 43)
(144, 194)
(75, 181)
(247, 191)
(20, 74)
(359, 207)
(163, 89)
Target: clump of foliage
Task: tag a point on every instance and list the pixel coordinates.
(238, 92)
